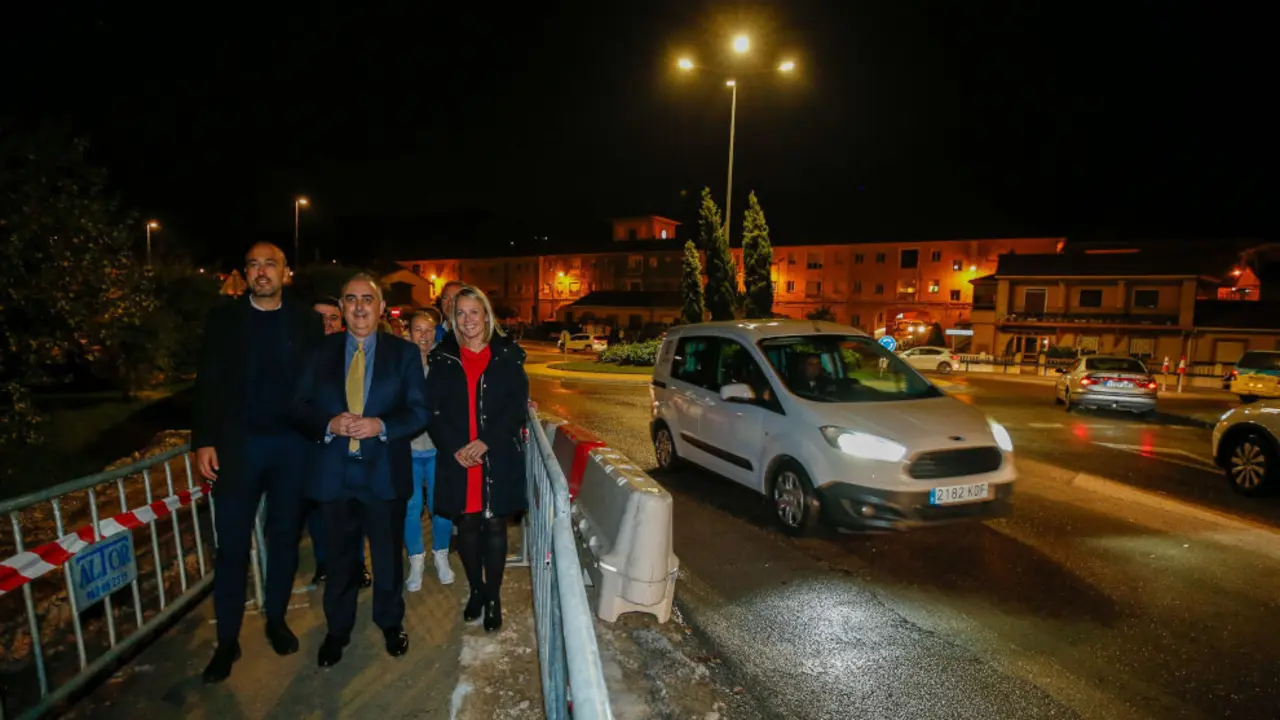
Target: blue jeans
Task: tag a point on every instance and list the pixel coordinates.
(424, 477)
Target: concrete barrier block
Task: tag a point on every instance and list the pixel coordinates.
(571, 446)
(624, 519)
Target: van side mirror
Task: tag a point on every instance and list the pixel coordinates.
(737, 392)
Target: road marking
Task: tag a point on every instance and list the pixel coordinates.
(1192, 460)
(1044, 426)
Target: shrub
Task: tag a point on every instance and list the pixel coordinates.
(641, 353)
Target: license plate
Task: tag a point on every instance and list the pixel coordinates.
(958, 494)
(1118, 384)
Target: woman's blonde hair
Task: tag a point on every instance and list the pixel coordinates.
(475, 293)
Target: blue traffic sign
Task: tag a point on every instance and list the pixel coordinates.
(102, 568)
(889, 343)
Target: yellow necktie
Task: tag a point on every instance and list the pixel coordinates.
(355, 390)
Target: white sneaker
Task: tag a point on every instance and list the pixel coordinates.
(416, 563)
(443, 571)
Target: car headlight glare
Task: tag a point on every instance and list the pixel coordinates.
(863, 445)
(1003, 441)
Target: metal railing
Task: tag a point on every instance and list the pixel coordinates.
(565, 626)
(75, 524)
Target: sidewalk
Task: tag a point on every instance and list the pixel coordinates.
(447, 665)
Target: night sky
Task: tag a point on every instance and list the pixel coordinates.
(483, 122)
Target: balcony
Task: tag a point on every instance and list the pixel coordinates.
(1059, 319)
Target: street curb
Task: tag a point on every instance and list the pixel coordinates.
(1157, 501)
(542, 371)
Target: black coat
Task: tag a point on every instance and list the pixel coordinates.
(396, 397)
(223, 376)
(502, 401)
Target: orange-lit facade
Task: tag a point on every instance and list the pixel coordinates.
(867, 285)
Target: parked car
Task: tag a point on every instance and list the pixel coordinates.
(1257, 375)
(1246, 447)
(937, 359)
(826, 424)
(1100, 381)
(582, 342)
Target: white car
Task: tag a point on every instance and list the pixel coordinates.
(582, 342)
(827, 424)
(1246, 447)
(936, 359)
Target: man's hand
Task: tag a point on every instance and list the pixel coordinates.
(207, 461)
(362, 428)
(471, 454)
(533, 405)
(340, 425)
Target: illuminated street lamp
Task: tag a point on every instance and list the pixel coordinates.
(151, 225)
(741, 44)
(298, 203)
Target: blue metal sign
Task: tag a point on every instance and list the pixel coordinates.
(889, 343)
(102, 568)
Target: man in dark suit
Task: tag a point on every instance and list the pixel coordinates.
(360, 399)
(247, 447)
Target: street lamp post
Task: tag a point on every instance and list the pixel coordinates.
(741, 44)
(728, 192)
(151, 225)
(298, 204)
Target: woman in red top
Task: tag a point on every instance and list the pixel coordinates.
(478, 395)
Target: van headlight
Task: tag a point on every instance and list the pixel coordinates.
(1001, 435)
(863, 445)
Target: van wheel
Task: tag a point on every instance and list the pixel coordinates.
(944, 368)
(795, 505)
(664, 448)
(1251, 465)
(1248, 399)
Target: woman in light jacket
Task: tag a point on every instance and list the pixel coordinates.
(478, 395)
(422, 331)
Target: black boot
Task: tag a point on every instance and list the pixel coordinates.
(219, 668)
(282, 639)
(493, 615)
(475, 606)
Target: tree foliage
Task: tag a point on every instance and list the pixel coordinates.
(693, 308)
(72, 292)
(757, 261)
(936, 337)
(722, 271)
(822, 313)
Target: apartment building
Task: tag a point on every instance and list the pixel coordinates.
(867, 285)
(1147, 304)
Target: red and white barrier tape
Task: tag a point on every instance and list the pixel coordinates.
(27, 566)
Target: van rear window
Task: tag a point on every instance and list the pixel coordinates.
(1256, 360)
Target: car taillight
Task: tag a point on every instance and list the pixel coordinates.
(1088, 380)
(955, 358)
(1153, 385)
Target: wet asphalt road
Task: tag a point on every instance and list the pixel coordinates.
(1079, 605)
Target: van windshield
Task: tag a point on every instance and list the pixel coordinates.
(844, 369)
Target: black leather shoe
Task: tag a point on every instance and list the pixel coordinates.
(219, 668)
(475, 606)
(397, 641)
(366, 580)
(331, 651)
(322, 574)
(492, 616)
(283, 641)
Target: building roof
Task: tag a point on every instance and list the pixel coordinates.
(646, 217)
(629, 299)
(1121, 265)
(1255, 315)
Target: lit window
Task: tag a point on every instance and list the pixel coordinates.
(933, 287)
(663, 234)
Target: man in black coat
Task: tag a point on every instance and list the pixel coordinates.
(360, 399)
(247, 447)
